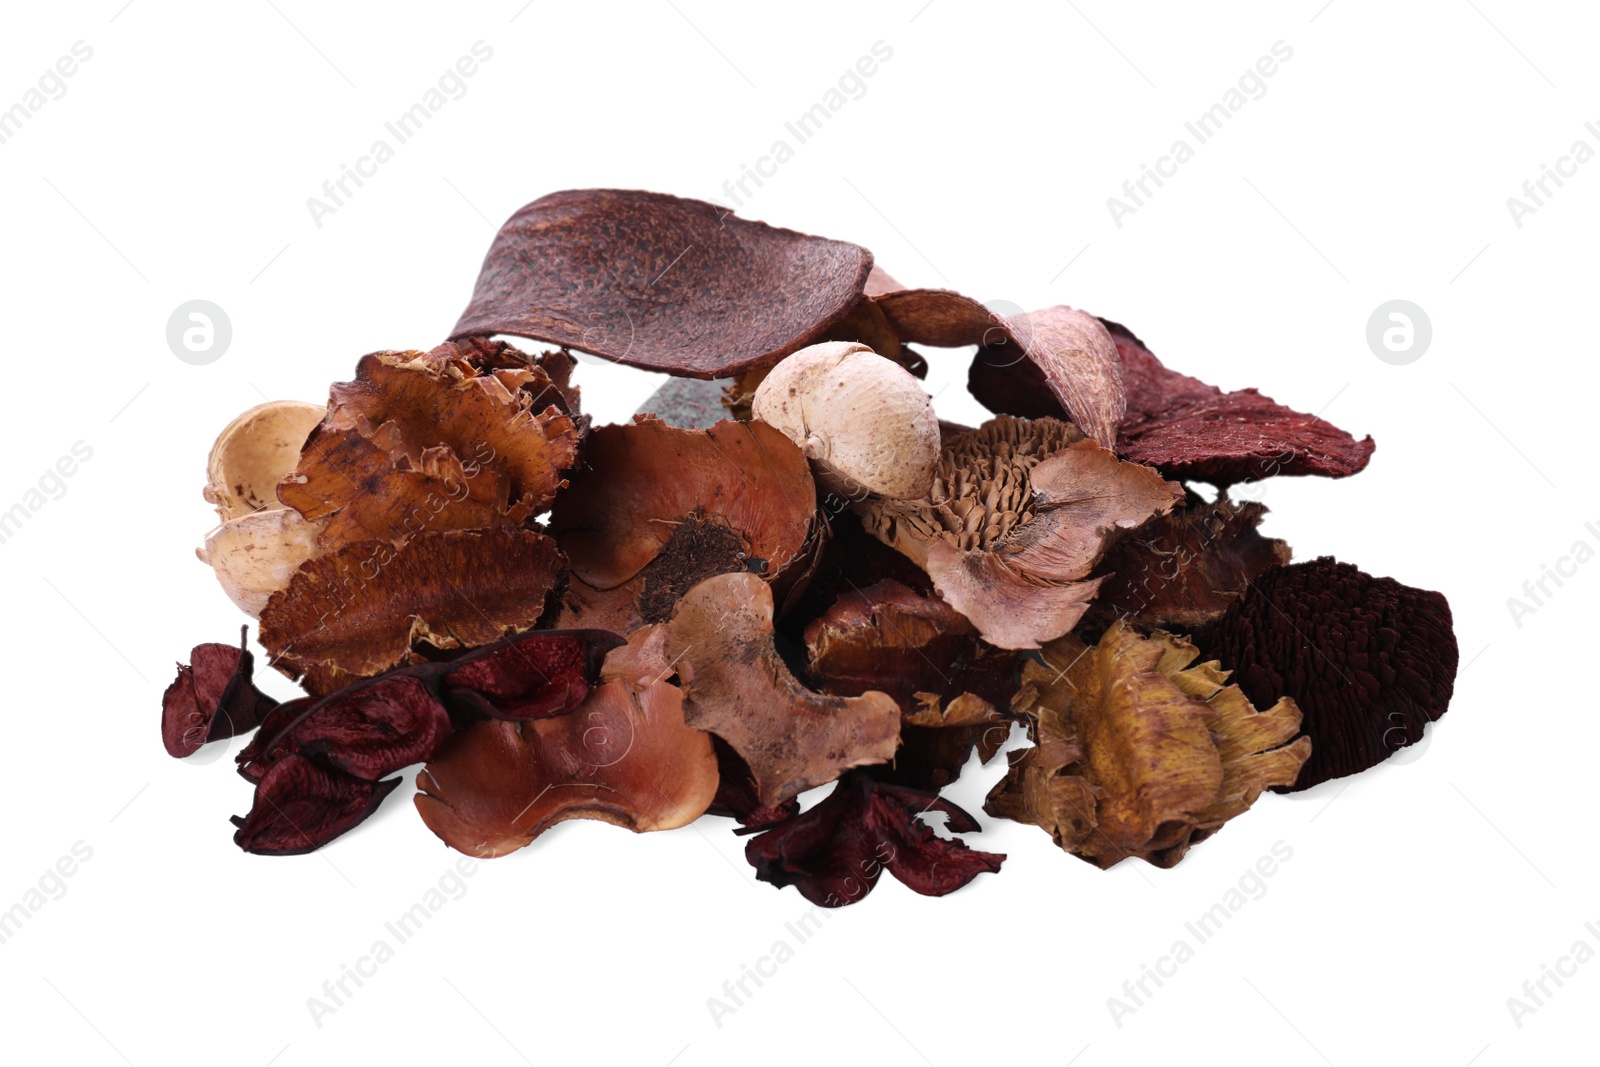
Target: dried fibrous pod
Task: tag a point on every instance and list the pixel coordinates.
(864, 422)
(256, 555)
(254, 452)
(1020, 513)
(835, 852)
(661, 282)
(213, 697)
(624, 757)
(736, 686)
(926, 655)
(654, 509)
(302, 805)
(462, 437)
(1370, 661)
(1070, 351)
(1183, 427)
(1138, 753)
(1186, 567)
(360, 610)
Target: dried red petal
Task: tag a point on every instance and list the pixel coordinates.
(1183, 427)
(532, 677)
(835, 852)
(661, 282)
(1370, 661)
(212, 698)
(301, 806)
(375, 729)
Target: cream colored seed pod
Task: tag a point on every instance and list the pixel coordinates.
(260, 543)
(863, 421)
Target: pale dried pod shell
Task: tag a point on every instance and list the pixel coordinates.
(864, 421)
(255, 555)
(254, 452)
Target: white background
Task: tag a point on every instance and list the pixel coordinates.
(1377, 166)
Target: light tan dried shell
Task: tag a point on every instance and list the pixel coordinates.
(254, 452)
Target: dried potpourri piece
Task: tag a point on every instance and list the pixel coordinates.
(1180, 425)
(1370, 661)
(1186, 567)
(653, 509)
(1020, 513)
(736, 793)
(661, 282)
(624, 756)
(302, 805)
(926, 655)
(212, 698)
(835, 852)
(736, 686)
(1138, 753)
(362, 609)
(466, 436)
(1074, 357)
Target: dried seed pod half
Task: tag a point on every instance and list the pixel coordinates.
(254, 452)
(1019, 514)
(863, 421)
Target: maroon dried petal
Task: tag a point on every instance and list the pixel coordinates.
(375, 730)
(835, 853)
(1183, 427)
(533, 677)
(301, 806)
(736, 793)
(212, 698)
(661, 282)
(1370, 661)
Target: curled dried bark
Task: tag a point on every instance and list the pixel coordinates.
(360, 610)
(1186, 567)
(623, 757)
(1138, 753)
(1070, 351)
(835, 853)
(1370, 661)
(465, 436)
(736, 686)
(661, 282)
(1020, 513)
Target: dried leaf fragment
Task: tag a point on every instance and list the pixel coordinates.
(661, 282)
(835, 852)
(1138, 753)
(736, 686)
(1370, 661)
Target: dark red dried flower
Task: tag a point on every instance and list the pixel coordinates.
(835, 852)
(1183, 427)
(533, 677)
(301, 806)
(1370, 661)
(212, 698)
(661, 282)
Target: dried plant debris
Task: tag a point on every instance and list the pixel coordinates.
(835, 853)
(1370, 661)
(1020, 513)
(1182, 426)
(624, 756)
(1185, 568)
(366, 607)
(212, 698)
(1138, 753)
(661, 282)
(463, 437)
(786, 572)
(736, 686)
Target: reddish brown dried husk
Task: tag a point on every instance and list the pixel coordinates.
(212, 698)
(661, 282)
